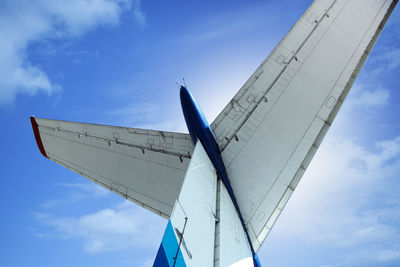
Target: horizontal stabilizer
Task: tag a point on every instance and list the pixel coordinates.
(271, 129)
(144, 166)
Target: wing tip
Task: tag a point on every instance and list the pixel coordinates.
(36, 132)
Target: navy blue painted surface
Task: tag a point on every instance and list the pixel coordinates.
(161, 258)
(167, 251)
(199, 129)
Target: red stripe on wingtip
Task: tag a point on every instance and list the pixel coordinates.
(35, 128)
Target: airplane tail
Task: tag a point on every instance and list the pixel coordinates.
(204, 228)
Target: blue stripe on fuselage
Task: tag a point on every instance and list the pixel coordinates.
(161, 258)
(167, 251)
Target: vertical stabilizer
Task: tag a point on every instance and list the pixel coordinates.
(189, 237)
(234, 249)
(204, 228)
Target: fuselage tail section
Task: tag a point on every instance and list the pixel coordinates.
(205, 227)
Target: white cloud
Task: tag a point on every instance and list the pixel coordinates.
(388, 255)
(24, 22)
(79, 192)
(347, 203)
(387, 58)
(145, 111)
(89, 188)
(370, 98)
(145, 116)
(123, 227)
(392, 58)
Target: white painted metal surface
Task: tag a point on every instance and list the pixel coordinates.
(144, 166)
(284, 110)
(247, 262)
(197, 203)
(233, 248)
(195, 215)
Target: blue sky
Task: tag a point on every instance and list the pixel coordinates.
(116, 62)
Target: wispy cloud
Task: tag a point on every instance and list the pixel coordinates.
(138, 13)
(119, 228)
(347, 203)
(386, 58)
(78, 192)
(112, 229)
(24, 22)
(238, 21)
(145, 116)
(362, 96)
(146, 111)
(391, 58)
(388, 255)
(91, 188)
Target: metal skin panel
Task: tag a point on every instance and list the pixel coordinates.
(144, 166)
(247, 262)
(234, 249)
(193, 215)
(271, 129)
(190, 237)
